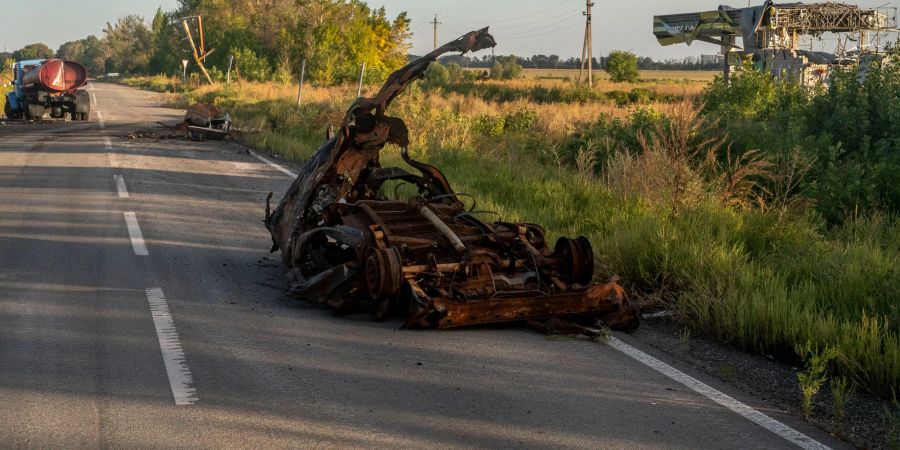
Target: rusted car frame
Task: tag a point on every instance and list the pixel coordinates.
(428, 258)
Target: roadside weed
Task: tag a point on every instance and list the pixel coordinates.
(812, 379)
(841, 390)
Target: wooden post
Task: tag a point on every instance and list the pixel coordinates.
(202, 40)
(187, 30)
(237, 73)
(362, 72)
(300, 90)
(228, 73)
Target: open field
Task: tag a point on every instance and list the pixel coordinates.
(600, 74)
(761, 278)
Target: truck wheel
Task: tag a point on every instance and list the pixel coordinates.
(7, 110)
(34, 112)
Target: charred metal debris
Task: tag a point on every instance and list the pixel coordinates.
(429, 259)
(204, 121)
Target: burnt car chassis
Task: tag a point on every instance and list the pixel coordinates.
(430, 258)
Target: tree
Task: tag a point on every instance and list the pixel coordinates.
(622, 66)
(166, 43)
(33, 51)
(506, 68)
(87, 51)
(128, 45)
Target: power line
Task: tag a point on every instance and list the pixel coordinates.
(514, 18)
(518, 26)
(553, 31)
(539, 30)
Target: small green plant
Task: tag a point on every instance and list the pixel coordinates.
(812, 379)
(724, 371)
(604, 332)
(684, 339)
(891, 417)
(841, 391)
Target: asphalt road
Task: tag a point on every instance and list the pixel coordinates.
(98, 342)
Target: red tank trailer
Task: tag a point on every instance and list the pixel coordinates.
(55, 76)
(48, 86)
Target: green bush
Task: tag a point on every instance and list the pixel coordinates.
(506, 68)
(622, 66)
(251, 66)
(850, 132)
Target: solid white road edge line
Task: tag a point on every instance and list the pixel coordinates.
(134, 232)
(796, 437)
(268, 161)
(180, 379)
(120, 186)
(100, 120)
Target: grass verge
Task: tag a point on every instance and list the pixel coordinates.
(762, 280)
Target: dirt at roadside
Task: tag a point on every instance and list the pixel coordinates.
(865, 425)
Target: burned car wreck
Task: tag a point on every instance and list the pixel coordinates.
(429, 258)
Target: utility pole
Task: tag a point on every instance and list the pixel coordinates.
(435, 23)
(587, 50)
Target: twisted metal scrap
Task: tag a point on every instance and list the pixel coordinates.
(335, 167)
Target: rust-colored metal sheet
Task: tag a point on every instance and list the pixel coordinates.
(55, 75)
(428, 258)
(206, 121)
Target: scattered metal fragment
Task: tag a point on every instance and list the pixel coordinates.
(204, 121)
(427, 258)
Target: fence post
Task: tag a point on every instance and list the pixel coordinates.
(228, 73)
(302, 75)
(362, 72)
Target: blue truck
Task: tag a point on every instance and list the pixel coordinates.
(48, 86)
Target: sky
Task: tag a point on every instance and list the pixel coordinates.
(521, 27)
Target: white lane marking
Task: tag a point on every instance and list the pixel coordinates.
(268, 161)
(100, 119)
(120, 186)
(134, 232)
(792, 435)
(107, 143)
(180, 379)
(93, 98)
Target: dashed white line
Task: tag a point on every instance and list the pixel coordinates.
(100, 119)
(120, 186)
(277, 166)
(93, 99)
(180, 379)
(107, 143)
(792, 435)
(134, 232)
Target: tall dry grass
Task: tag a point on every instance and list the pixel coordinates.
(676, 223)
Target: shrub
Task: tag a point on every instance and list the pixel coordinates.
(622, 66)
(251, 66)
(436, 75)
(506, 68)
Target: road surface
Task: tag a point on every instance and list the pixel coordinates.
(139, 308)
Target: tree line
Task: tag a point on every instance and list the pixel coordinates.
(601, 62)
(268, 39)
